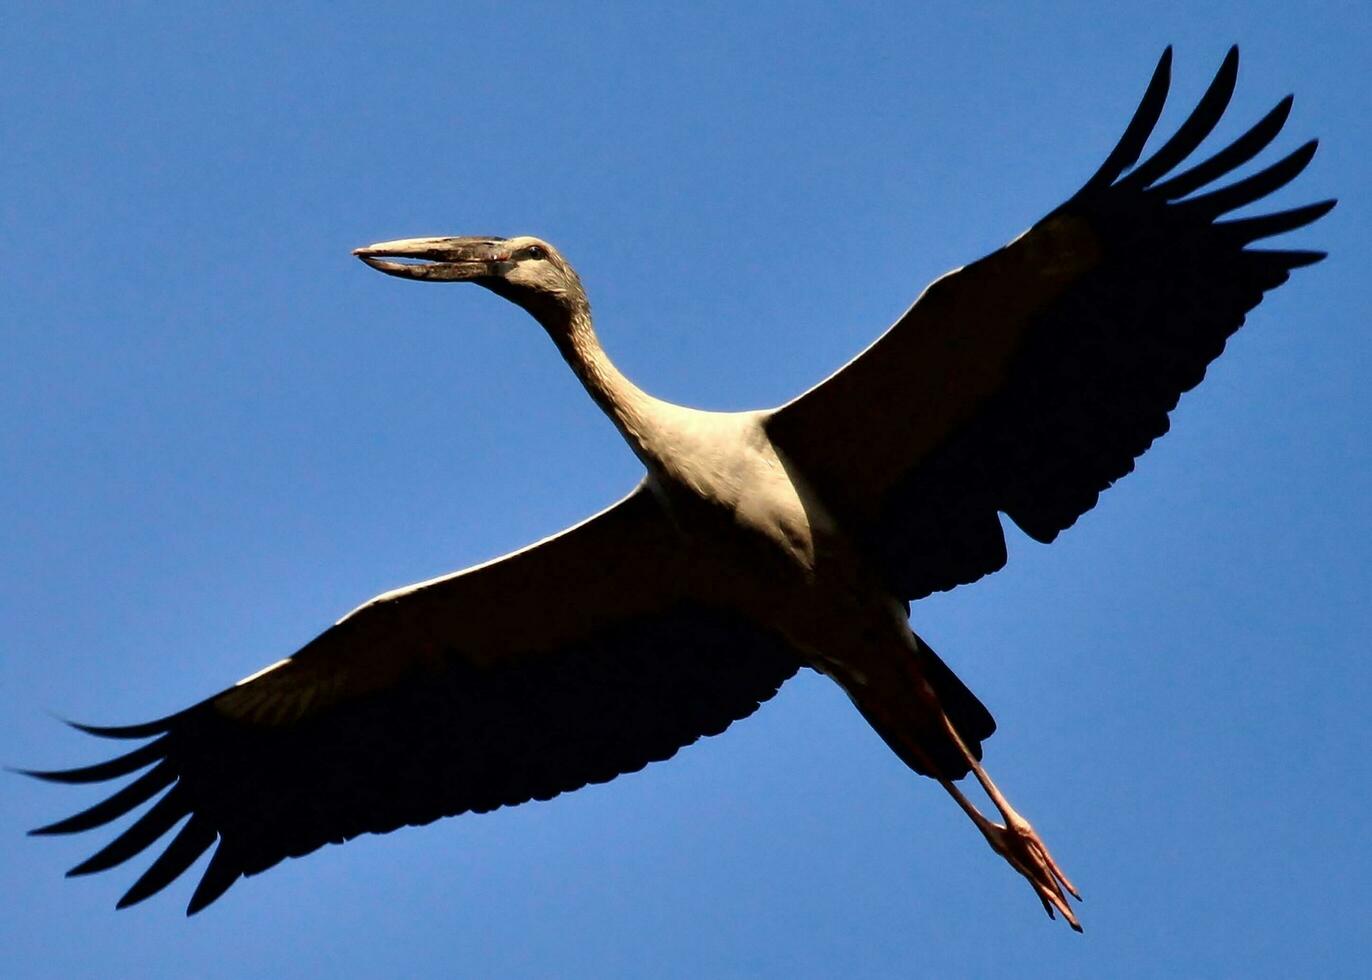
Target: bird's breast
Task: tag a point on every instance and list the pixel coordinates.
(735, 494)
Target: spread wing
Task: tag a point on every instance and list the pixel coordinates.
(567, 663)
(1029, 381)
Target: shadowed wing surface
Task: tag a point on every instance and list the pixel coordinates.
(566, 663)
(1029, 381)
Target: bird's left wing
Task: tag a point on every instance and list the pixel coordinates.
(1029, 381)
(566, 663)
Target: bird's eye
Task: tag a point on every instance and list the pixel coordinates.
(536, 252)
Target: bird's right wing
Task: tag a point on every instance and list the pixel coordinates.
(566, 663)
(1030, 380)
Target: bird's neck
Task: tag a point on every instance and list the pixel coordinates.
(630, 408)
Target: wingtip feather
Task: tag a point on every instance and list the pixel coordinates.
(1191, 133)
(1131, 143)
(144, 730)
(134, 794)
(1246, 230)
(137, 837)
(218, 878)
(121, 765)
(1237, 153)
(191, 842)
(1253, 187)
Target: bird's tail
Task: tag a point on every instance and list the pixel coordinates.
(968, 715)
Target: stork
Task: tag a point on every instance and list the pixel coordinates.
(756, 543)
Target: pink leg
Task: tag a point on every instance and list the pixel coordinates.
(1016, 840)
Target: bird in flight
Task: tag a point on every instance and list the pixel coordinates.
(755, 544)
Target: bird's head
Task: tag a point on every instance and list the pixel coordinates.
(524, 270)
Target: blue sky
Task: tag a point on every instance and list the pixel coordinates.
(219, 432)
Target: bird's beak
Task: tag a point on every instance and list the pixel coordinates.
(438, 259)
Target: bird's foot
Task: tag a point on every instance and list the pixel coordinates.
(1020, 844)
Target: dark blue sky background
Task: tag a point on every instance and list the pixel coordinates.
(219, 432)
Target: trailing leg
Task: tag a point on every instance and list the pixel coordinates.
(1016, 840)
